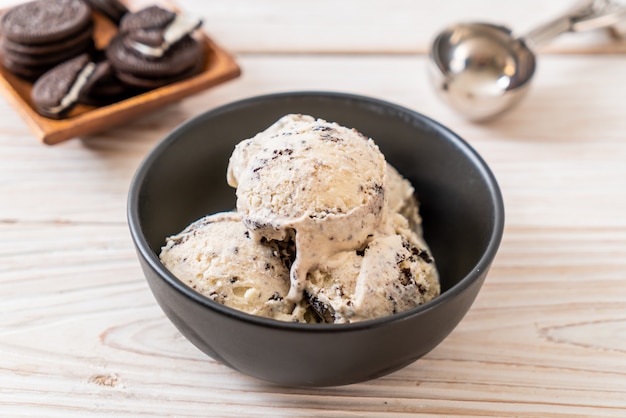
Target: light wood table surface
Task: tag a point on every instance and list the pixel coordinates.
(81, 335)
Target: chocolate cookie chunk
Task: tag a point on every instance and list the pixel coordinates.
(57, 91)
(112, 9)
(45, 21)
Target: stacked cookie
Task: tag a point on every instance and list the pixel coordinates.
(51, 43)
(37, 36)
(154, 47)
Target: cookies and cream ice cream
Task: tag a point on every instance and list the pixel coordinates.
(402, 200)
(392, 274)
(338, 226)
(218, 257)
(317, 180)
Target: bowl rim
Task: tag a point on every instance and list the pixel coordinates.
(164, 274)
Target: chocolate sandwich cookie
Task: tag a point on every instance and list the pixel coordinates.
(82, 38)
(30, 67)
(45, 21)
(146, 26)
(46, 60)
(150, 37)
(57, 91)
(152, 31)
(184, 59)
(182, 56)
(26, 72)
(38, 35)
(103, 87)
(153, 82)
(154, 47)
(152, 17)
(112, 9)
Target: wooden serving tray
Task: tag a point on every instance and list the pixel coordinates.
(84, 120)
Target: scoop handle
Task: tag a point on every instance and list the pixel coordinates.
(583, 16)
(609, 14)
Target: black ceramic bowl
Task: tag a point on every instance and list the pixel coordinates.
(184, 178)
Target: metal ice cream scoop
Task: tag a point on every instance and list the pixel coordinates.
(482, 70)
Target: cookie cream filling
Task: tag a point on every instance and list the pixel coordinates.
(72, 95)
(181, 26)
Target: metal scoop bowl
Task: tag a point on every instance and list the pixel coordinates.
(482, 70)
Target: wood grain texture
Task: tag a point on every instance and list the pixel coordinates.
(81, 335)
(395, 27)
